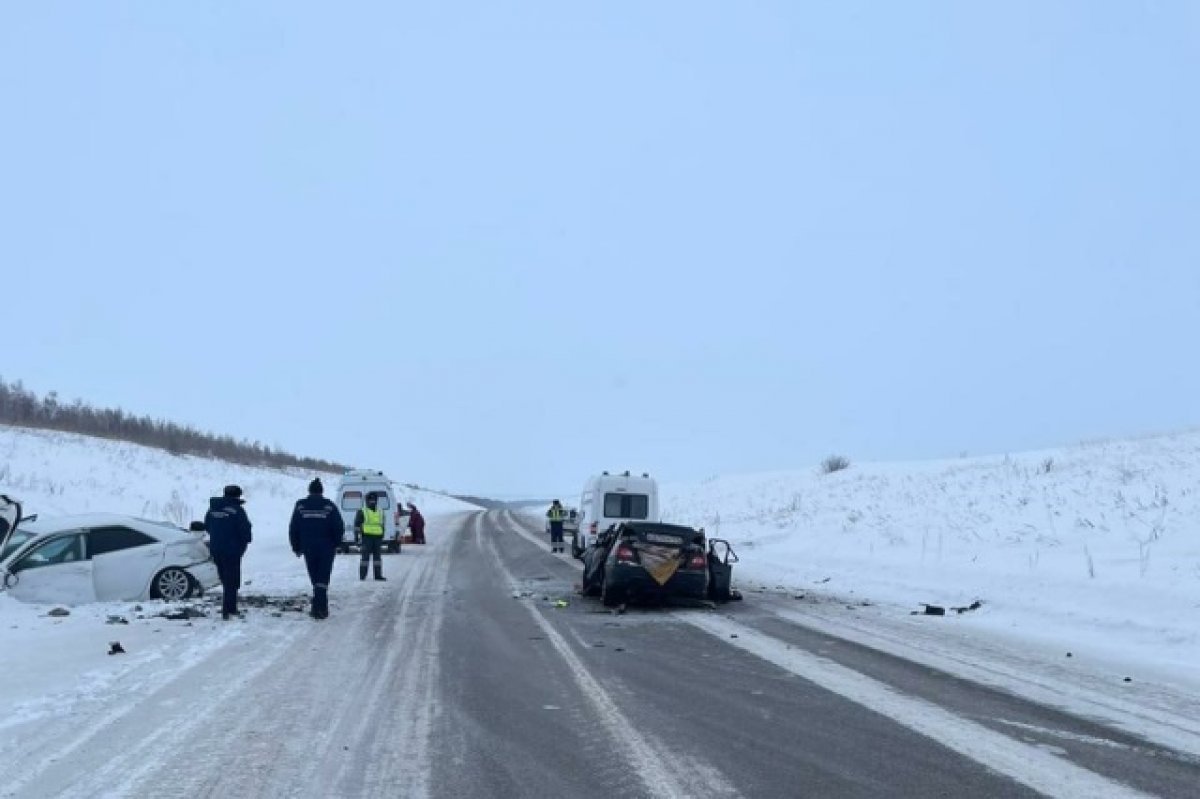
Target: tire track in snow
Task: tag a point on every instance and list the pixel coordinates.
(342, 707)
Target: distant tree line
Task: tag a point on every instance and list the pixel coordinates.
(23, 408)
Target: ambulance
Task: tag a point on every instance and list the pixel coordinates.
(351, 497)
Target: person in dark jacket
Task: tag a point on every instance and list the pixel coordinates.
(228, 536)
(416, 524)
(315, 532)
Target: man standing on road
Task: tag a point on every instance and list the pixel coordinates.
(416, 523)
(315, 532)
(556, 515)
(368, 523)
(228, 536)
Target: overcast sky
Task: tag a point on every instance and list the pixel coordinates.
(496, 247)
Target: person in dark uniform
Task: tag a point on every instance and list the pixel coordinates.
(315, 532)
(369, 523)
(416, 523)
(228, 536)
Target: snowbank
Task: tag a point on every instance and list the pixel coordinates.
(1091, 547)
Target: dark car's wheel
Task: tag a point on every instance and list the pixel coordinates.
(610, 596)
(589, 587)
(172, 584)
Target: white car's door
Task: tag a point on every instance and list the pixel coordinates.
(124, 561)
(54, 570)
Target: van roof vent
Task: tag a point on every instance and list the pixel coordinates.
(605, 473)
(645, 474)
(626, 472)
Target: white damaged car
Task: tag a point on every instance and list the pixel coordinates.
(103, 557)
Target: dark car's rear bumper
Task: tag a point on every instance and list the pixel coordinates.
(634, 580)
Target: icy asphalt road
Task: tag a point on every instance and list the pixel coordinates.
(462, 677)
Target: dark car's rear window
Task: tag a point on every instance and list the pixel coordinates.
(626, 506)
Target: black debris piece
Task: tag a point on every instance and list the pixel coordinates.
(115, 648)
(59, 612)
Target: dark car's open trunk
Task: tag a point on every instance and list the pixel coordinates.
(661, 549)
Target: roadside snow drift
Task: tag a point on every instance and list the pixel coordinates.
(1094, 547)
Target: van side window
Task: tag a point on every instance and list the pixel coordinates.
(626, 506)
(352, 500)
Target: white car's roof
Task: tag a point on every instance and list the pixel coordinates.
(158, 529)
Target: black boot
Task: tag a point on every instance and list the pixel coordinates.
(362, 570)
(320, 603)
(379, 572)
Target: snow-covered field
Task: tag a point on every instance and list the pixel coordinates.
(51, 664)
(1093, 549)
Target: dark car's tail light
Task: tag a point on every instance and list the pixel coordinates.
(624, 554)
(697, 561)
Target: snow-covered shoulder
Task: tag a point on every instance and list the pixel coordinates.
(1083, 549)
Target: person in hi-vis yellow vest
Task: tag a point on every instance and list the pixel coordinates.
(368, 523)
(557, 515)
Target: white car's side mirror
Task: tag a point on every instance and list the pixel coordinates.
(8, 579)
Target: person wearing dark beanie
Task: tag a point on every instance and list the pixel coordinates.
(315, 532)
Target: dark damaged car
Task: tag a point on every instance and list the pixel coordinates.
(652, 561)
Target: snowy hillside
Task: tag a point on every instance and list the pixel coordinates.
(1094, 546)
(55, 473)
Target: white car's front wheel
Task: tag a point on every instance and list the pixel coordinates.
(172, 584)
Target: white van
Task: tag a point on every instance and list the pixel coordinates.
(351, 496)
(610, 499)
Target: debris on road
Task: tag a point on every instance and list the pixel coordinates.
(59, 612)
(115, 648)
(939, 610)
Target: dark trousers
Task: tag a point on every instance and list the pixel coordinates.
(418, 534)
(556, 534)
(372, 547)
(319, 562)
(229, 570)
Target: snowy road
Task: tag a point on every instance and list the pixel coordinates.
(464, 676)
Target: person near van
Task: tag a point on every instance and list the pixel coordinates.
(315, 532)
(228, 529)
(416, 523)
(368, 523)
(556, 515)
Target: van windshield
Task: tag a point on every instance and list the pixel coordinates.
(354, 499)
(626, 506)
